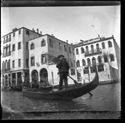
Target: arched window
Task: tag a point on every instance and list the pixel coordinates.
(87, 48)
(109, 43)
(99, 59)
(6, 65)
(32, 46)
(82, 50)
(92, 48)
(111, 57)
(97, 47)
(77, 52)
(105, 58)
(103, 45)
(43, 43)
(83, 62)
(93, 61)
(89, 62)
(78, 63)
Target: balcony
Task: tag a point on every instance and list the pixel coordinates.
(94, 52)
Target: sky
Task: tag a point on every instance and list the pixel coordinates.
(66, 23)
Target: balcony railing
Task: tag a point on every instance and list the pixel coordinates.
(93, 52)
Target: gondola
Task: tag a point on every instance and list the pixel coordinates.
(66, 94)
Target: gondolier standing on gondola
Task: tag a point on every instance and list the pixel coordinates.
(63, 68)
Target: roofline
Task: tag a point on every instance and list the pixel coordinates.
(51, 37)
(19, 29)
(102, 39)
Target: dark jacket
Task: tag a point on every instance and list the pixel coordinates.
(63, 66)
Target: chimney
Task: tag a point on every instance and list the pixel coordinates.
(33, 30)
(14, 29)
(41, 32)
(67, 41)
(37, 30)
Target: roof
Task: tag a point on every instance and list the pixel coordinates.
(51, 37)
(19, 29)
(91, 41)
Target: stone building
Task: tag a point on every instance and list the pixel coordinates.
(104, 52)
(14, 56)
(42, 52)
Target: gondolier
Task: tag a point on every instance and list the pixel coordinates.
(63, 67)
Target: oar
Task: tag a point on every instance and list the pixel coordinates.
(90, 94)
(73, 79)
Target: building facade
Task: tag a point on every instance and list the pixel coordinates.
(42, 52)
(14, 56)
(99, 51)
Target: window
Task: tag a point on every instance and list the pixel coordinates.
(27, 45)
(27, 62)
(93, 61)
(93, 69)
(43, 43)
(87, 49)
(109, 43)
(7, 38)
(103, 45)
(99, 59)
(19, 62)
(2, 66)
(77, 63)
(105, 58)
(86, 70)
(9, 49)
(97, 47)
(4, 40)
(8, 64)
(100, 67)
(89, 62)
(65, 48)
(32, 46)
(77, 52)
(50, 43)
(32, 61)
(69, 50)
(43, 58)
(92, 48)
(27, 32)
(13, 47)
(13, 34)
(72, 71)
(111, 57)
(13, 64)
(83, 62)
(82, 50)
(59, 45)
(20, 31)
(19, 45)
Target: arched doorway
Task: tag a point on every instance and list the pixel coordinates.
(34, 75)
(43, 77)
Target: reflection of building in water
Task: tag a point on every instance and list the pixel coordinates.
(15, 54)
(42, 52)
(104, 52)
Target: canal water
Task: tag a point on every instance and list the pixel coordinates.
(105, 98)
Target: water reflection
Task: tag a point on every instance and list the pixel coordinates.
(105, 97)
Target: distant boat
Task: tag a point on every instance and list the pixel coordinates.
(68, 93)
